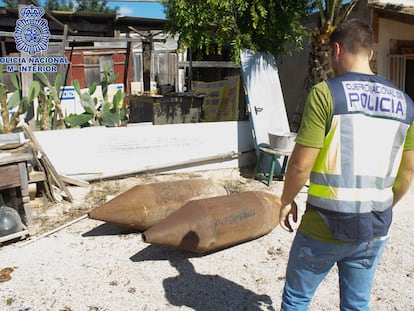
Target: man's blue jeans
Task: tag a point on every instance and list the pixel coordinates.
(310, 261)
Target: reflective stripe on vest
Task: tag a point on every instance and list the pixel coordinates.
(352, 177)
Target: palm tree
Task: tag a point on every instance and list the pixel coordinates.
(332, 13)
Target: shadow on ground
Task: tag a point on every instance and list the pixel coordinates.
(202, 291)
(109, 229)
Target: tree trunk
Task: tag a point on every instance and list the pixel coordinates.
(319, 67)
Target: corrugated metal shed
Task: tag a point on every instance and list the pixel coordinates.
(394, 6)
(85, 24)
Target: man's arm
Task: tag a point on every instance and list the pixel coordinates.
(300, 165)
(404, 177)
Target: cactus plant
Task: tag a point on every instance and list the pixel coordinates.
(49, 113)
(16, 105)
(110, 113)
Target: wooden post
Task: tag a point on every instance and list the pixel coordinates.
(146, 64)
(27, 76)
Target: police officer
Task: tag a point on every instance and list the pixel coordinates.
(356, 147)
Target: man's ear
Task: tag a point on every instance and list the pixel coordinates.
(371, 55)
(337, 49)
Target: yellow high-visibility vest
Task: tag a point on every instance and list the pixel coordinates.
(357, 166)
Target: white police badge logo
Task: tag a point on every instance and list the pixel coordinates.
(32, 31)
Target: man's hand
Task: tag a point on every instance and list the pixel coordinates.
(285, 211)
(299, 168)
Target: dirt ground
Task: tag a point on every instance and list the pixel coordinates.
(91, 265)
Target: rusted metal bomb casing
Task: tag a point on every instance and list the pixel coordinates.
(214, 223)
(145, 205)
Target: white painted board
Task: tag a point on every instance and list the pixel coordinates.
(100, 152)
(264, 96)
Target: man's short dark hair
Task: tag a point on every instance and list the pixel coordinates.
(354, 35)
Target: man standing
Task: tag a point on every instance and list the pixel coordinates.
(356, 146)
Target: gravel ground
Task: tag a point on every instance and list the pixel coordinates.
(91, 265)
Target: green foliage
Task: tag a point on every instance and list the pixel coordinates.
(94, 6)
(49, 114)
(9, 301)
(59, 5)
(272, 26)
(16, 103)
(98, 6)
(108, 79)
(110, 113)
(79, 120)
(332, 13)
(11, 3)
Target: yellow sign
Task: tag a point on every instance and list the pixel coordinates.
(229, 107)
(221, 99)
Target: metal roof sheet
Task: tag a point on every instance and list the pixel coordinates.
(395, 6)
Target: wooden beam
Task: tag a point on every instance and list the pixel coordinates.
(36, 146)
(71, 39)
(208, 64)
(74, 181)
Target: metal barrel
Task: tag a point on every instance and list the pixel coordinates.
(144, 205)
(214, 223)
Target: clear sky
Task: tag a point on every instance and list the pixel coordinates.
(139, 9)
(133, 8)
